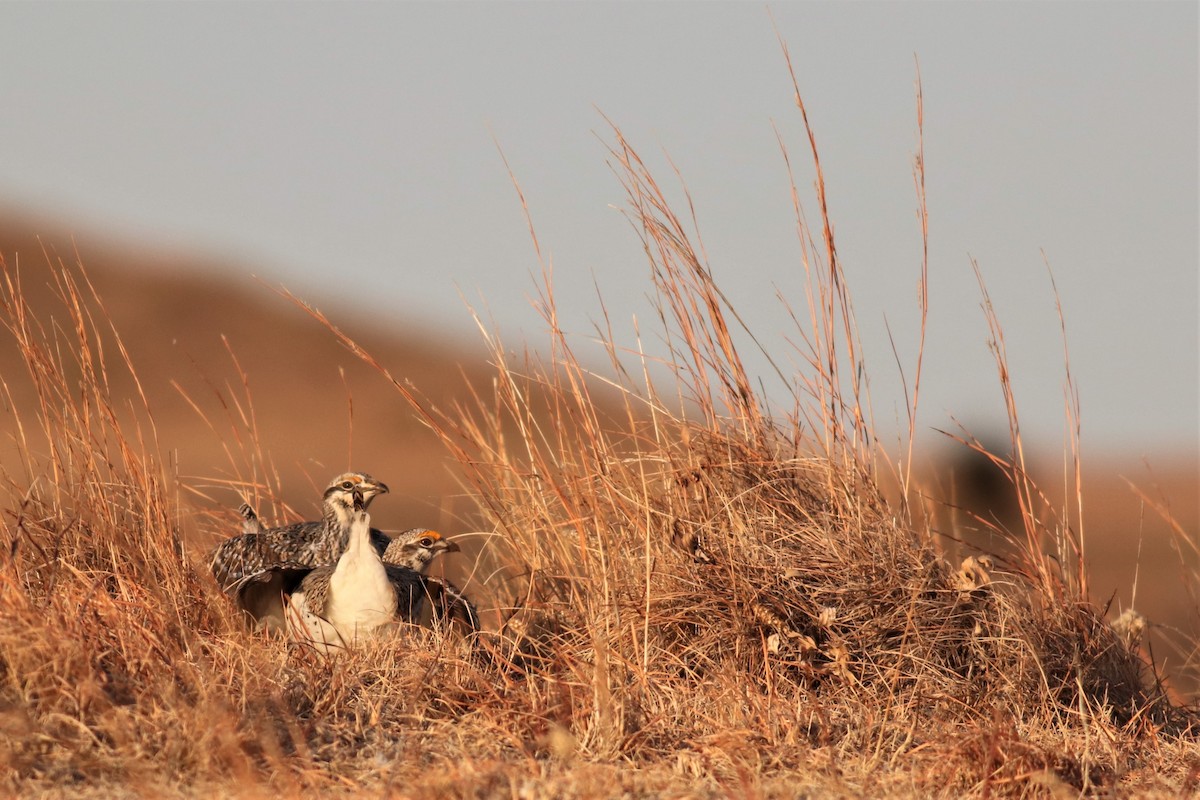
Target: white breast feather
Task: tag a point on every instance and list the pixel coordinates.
(361, 598)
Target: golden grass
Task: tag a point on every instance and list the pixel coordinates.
(694, 597)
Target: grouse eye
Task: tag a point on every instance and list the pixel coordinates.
(347, 485)
(426, 542)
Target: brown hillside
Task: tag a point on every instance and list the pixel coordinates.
(180, 318)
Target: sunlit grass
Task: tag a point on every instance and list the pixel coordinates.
(692, 596)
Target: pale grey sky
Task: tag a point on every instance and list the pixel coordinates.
(347, 149)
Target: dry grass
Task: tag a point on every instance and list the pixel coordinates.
(694, 597)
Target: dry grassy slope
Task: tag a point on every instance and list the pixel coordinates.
(172, 311)
(825, 646)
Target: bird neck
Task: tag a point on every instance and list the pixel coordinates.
(337, 514)
(358, 540)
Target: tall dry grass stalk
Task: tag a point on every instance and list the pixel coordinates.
(700, 581)
(694, 596)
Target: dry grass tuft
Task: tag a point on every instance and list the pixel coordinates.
(695, 597)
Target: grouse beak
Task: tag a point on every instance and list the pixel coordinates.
(366, 491)
(451, 546)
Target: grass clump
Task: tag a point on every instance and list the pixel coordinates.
(694, 596)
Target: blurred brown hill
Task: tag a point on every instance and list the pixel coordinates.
(181, 317)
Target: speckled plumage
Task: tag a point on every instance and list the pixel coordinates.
(405, 560)
(446, 601)
(316, 543)
(415, 548)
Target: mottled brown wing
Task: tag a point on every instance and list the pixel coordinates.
(261, 594)
(450, 604)
(300, 543)
(446, 601)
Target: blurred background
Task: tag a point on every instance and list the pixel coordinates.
(193, 156)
